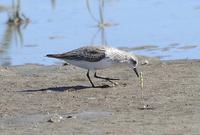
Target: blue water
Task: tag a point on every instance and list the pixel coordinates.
(172, 26)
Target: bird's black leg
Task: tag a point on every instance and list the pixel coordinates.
(105, 78)
(88, 76)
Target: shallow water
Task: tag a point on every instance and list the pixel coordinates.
(171, 27)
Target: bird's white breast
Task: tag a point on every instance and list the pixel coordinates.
(104, 63)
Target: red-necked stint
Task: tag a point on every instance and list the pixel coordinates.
(97, 57)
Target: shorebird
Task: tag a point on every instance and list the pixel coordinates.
(94, 58)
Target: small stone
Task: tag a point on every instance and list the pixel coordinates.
(124, 84)
(146, 107)
(69, 117)
(55, 118)
(145, 62)
(65, 64)
(115, 84)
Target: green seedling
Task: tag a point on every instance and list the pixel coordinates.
(145, 106)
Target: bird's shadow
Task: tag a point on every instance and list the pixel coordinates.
(63, 88)
(59, 89)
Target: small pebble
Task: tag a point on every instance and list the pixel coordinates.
(65, 64)
(115, 84)
(69, 116)
(146, 107)
(55, 118)
(145, 62)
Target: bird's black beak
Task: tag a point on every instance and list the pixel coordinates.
(136, 72)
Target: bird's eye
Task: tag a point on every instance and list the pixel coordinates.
(134, 61)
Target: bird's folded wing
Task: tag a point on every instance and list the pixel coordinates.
(91, 54)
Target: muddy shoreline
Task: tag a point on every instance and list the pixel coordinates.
(32, 95)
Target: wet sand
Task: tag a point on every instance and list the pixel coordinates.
(58, 100)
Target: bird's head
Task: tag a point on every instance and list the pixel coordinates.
(133, 62)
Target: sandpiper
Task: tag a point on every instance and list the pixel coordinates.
(97, 57)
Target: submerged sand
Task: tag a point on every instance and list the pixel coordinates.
(58, 100)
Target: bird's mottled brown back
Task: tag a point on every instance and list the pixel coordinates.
(90, 53)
